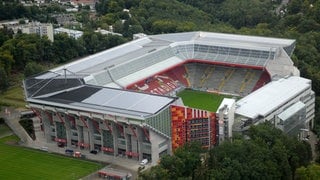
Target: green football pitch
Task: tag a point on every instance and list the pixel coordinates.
(201, 100)
(23, 163)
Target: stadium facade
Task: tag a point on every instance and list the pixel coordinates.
(123, 100)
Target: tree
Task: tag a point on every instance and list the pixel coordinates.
(91, 42)
(4, 80)
(155, 172)
(164, 26)
(183, 164)
(311, 172)
(32, 68)
(6, 61)
(267, 152)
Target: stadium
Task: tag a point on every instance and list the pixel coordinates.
(126, 101)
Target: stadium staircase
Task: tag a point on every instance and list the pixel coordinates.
(226, 78)
(246, 81)
(191, 70)
(13, 123)
(207, 73)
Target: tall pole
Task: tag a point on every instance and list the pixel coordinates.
(65, 75)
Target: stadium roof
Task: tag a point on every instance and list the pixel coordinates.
(122, 63)
(106, 101)
(70, 85)
(272, 96)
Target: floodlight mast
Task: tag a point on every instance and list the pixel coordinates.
(65, 75)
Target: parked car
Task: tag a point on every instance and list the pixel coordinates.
(69, 151)
(144, 162)
(61, 144)
(94, 151)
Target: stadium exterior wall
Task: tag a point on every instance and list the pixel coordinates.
(125, 137)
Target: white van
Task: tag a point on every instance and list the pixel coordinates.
(144, 162)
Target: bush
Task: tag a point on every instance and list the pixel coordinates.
(1, 120)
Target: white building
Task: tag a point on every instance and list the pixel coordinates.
(42, 29)
(225, 116)
(106, 32)
(288, 103)
(38, 28)
(71, 33)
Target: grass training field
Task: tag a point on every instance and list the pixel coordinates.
(201, 100)
(23, 163)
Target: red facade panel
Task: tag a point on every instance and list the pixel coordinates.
(190, 124)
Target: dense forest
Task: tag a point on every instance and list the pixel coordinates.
(299, 19)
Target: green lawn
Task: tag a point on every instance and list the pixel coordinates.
(23, 163)
(201, 100)
(4, 130)
(13, 97)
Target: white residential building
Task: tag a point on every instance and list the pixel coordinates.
(71, 33)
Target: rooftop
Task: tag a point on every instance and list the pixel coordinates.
(268, 98)
(167, 50)
(106, 101)
(89, 83)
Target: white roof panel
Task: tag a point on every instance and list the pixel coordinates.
(291, 110)
(128, 100)
(226, 101)
(104, 59)
(244, 39)
(149, 71)
(268, 98)
(109, 101)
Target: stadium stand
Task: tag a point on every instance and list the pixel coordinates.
(222, 79)
(179, 74)
(263, 79)
(158, 84)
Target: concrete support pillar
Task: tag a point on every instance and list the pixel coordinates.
(56, 131)
(80, 134)
(46, 126)
(68, 129)
(86, 136)
(125, 137)
(140, 135)
(91, 133)
(134, 140)
(115, 132)
(154, 147)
